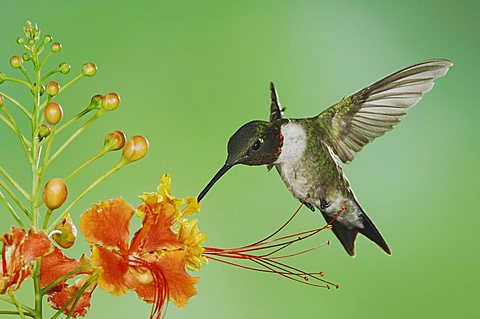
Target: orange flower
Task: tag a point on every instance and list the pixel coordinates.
(55, 270)
(19, 251)
(153, 263)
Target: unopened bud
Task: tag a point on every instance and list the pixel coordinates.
(20, 40)
(53, 113)
(66, 233)
(43, 132)
(114, 141)
(136, 148)
(31, 42)
(52, 88)
(48, 38)
(56, 47)
(96, 102)
(64, 68)
(16, 61)
(110, 101)
(55, 193)
(26, 56)
(89, 69)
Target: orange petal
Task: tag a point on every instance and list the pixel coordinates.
(36, 245)
(56, 265)
(156, 232)
(112, 267)
(180, 284)
(108, 223)
(59, 298)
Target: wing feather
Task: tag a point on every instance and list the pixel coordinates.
(360, 118)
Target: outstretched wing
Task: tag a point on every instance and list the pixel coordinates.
(360, 118)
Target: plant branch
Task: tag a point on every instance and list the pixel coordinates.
(14, 197)
(14, 183)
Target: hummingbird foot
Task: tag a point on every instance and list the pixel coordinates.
(324, 203)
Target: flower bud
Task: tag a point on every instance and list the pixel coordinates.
(114, 141)
(56, 47)
(48, 38)
(64, 68)
(89, 69)
(52, 88)
(20, 40)
(110, 101)
(136, 148)
(66, 233)
(16, 61)
(26, 56)
(55, 193)
(43, 132)
(31, 42)
(53, 113)
(96, 102)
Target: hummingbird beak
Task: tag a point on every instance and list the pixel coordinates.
(215, 178)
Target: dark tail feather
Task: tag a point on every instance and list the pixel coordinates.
(347, 235)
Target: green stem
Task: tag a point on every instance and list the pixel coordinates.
(16, 303)
(85, 192)
(45, 58)
(11, 210)
(26, 75)
(46, 76)
(18, 104)
(8, 312)
(76, 134)
(17, 130)
(14, 183)
(64, 277)
(37, 288)
(10, 125)
(85, 164)
(43, 167)
(75, 298)
(7, 78)
(25, 308)
(73, 119)
(75, 79)
(47, 218)
(14, 197)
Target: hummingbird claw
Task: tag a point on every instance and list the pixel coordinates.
(324, 204)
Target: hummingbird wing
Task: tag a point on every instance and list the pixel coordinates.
(360, 118)
(276, 110)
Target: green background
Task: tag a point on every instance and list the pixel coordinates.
(190, 73)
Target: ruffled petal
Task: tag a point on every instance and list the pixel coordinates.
(59, 298)
(192, 207)
(108, 222)
(191, 238)
(56, 265)
(112, 267)
(36, 245)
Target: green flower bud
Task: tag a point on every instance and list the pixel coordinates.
(31, 31)
(48, 38)
(43, 132)
(136, 148)
(16, 61)
(89, 69)
(52, 88)
(110, 101)
(53, 113)
(55, 193)
(56, 47)
(26, 56)
(114, 141)
(20, 40)
(31, 42)
(64, 68)
(96, 102)
(67, 233)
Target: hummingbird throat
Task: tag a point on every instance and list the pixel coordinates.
(293, 142)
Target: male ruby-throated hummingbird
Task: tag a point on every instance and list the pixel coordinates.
(307, 152)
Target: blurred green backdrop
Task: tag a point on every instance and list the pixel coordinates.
(191, 72)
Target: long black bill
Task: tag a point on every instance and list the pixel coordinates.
(215, 178)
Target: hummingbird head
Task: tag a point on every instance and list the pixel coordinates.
(255, 143)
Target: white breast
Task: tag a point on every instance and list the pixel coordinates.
(294, 143)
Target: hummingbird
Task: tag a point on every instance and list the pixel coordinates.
(308, 152)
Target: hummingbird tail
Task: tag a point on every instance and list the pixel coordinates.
(347, 235)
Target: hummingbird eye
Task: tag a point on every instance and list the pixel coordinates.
(257, 144)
